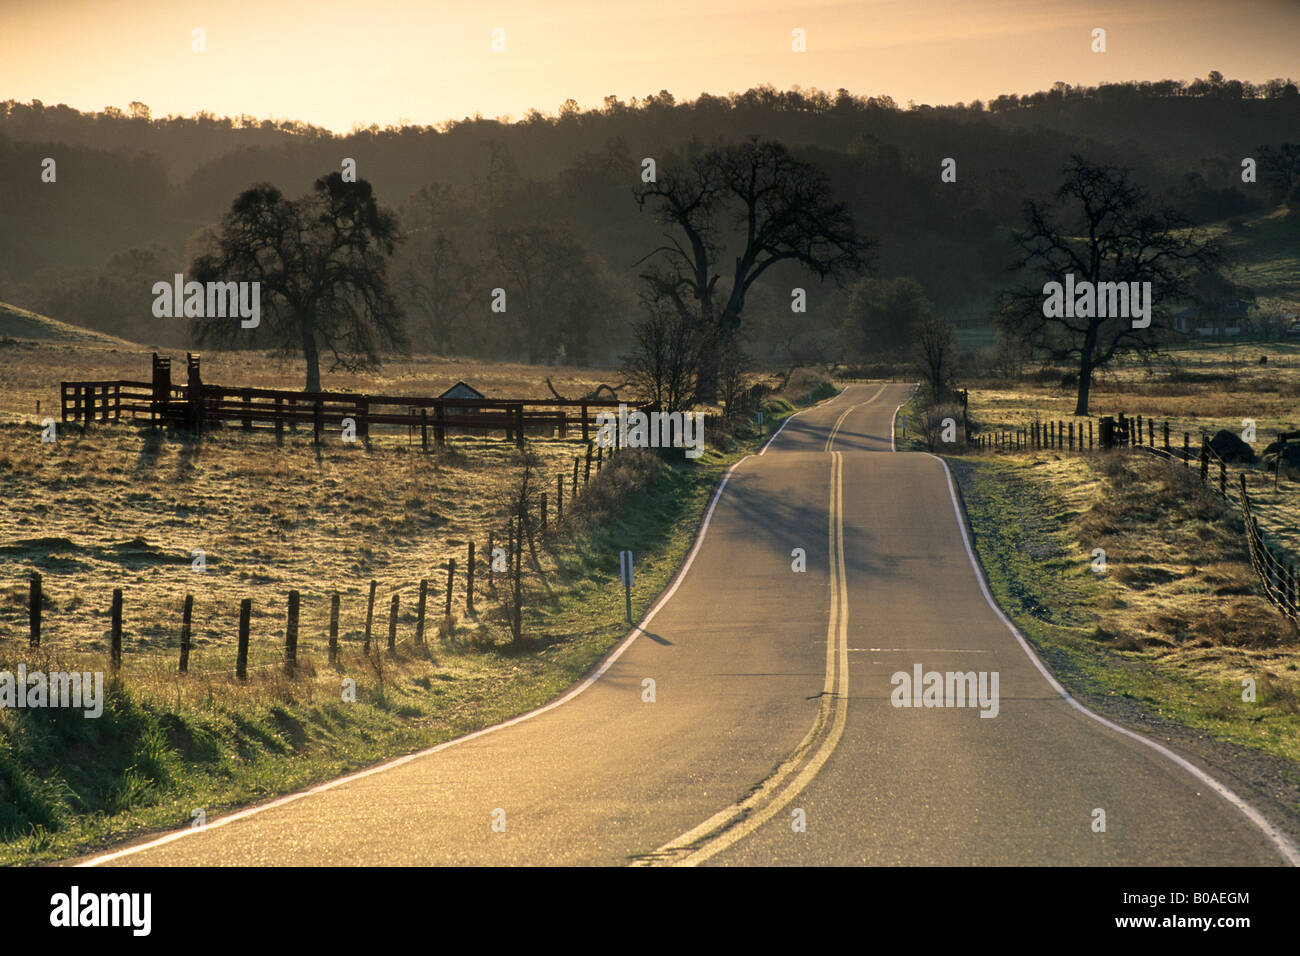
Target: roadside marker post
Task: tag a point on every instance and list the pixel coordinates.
(625, 569)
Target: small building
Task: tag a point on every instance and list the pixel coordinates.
(463, 390)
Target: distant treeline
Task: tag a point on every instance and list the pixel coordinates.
(544, 206)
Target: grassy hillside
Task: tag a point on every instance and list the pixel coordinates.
(16, 323)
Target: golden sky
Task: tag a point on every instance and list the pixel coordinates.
(337, 63)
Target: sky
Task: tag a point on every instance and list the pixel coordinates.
(341, 63)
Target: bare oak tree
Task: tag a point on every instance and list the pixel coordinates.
(752, 199)
(1100, 227)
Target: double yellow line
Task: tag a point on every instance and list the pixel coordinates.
(795, 773)
(830, 439)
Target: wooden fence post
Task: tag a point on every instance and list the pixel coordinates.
(1071, 436)
(370, 615)
(574, 489)
(600, 454)
(1166, 431)
(517, 623)
(424, 429)
(1090, 434)
(543, 503)
(115, 648)
(469, 581)
(34, 610)
(584, 426)
(392, 626)
(1187, 449)
(186, 617)
(241, 655)
(334, 628)
(559, 498)
(419, 613)
(586, 472)
(318, 421)
(451, 583)
(519, 425)
(291, 635)
(440, 423)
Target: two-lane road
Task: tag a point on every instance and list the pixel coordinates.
(772, 708)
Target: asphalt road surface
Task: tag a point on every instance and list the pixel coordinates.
(773, 736)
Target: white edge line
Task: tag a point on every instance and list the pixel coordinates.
(594, 676)
(893, 422)
(1280, 840)
(786, 421)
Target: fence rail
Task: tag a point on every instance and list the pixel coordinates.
(198, 405)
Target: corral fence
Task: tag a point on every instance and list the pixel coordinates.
(198, 405)
(1274, 567)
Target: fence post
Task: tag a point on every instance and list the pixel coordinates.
(334, 628)
(1166, 429)
(584, 426)
(1187, 449)
(451, 582)
(291, 635)
(519, 425)
(248, 409)
(559, 498)
(370, 615)
(600, 454)
(469, 581)
(392, 626)
(318, 422)
(279, 420)
(586, 472)
(518, 617)
(424, 429)
(1223, 480)
(1090, 434)
(115, 648)
(186, 617)
(440, 426)
(419, 613)
(241, 656)
(1071, 436)
(34, 610)
(574, 489)
(543, 512)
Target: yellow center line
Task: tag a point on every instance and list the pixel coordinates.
(830, 439)
(740, 819)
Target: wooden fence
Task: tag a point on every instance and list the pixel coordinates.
(198, 405)
(541, 515)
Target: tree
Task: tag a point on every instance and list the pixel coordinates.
(935, 353)
(773, 207)
(1100, 228)
(663, 361)
(322, 264)
(884, 314)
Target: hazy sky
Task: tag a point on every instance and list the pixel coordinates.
(337, 63)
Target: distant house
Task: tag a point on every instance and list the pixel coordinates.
(462, 390)
(1223, 321)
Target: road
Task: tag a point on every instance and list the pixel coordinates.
(772, 738)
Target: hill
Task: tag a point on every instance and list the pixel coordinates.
(16, 323)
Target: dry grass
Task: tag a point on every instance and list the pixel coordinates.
(121, 506)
